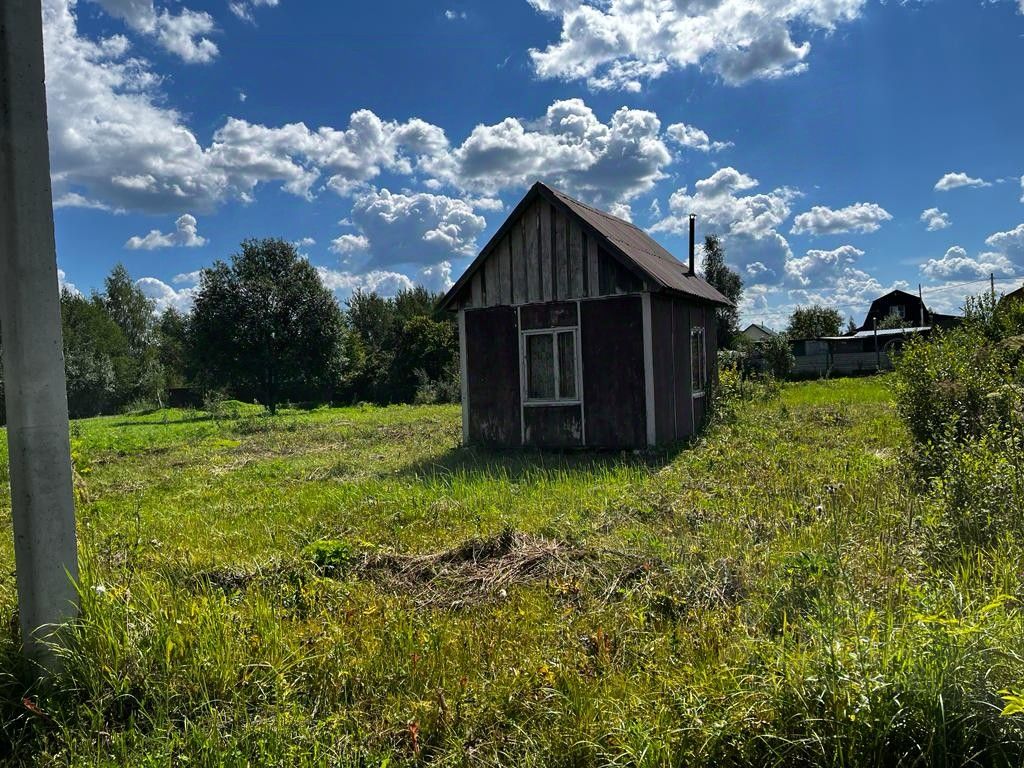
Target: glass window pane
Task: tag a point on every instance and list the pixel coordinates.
(697, 361)
(540, 374)
(567, 365)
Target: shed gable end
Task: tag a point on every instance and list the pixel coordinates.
(546, 254)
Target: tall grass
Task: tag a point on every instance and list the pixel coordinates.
(769, 595)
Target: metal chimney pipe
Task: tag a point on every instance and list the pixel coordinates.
(693, 236)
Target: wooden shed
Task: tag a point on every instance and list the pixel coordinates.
(576, 328)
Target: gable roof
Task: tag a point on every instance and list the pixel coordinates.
(897, 293)
(626, 242)
(1014, 295)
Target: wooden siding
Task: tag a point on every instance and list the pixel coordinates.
(555, 315)
(612, 347)
(492, 363)
(553, 426)
(547, 255)
(684, 385)
(666, 380)
(677, 413)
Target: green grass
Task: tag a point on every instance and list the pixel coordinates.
(774, 594)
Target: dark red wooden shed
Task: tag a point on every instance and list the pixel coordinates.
(576, 328)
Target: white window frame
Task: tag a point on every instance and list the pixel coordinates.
(698, 333)
(524, 369)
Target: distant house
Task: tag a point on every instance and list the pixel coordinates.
(908, 306)
(756, 333)
(860, 352)
(1016, 295)
(576, 328)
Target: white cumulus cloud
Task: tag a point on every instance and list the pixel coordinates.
(350, 243)
(245, 9)
(955, 180)
(570, 147)
(185, 235)
(748, 223)
(1006, 257)
(411, 228)
(164, 296)
(956, 264)
(817, 267)
(859, 217)
(382, 282)
(935, 219)
(692, 137)
(622, 43)
(182, 34)
(1010, 243)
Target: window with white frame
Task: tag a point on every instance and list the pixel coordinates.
(551, 365)
(698, 361)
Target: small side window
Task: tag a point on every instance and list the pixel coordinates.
(698, 361)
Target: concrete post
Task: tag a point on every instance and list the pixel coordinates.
(42, 492)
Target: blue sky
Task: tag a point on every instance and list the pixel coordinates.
(839, 147)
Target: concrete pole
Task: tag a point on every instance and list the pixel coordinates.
(42, 492)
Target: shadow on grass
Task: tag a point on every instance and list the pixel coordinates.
(479, 462)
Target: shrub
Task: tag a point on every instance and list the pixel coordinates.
(445, 389)
(979, 493)
(332, 556)
(959, 395)
(778, 355)
(945, 389)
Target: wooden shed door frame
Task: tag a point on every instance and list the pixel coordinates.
(648, 339)
(524, 401)
(464, 376)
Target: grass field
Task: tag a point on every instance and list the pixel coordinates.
(348, 586)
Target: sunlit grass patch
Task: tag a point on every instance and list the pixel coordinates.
(350, 586)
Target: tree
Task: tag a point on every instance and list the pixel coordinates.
(851, 326)
(130, 308)
(94, 349)
(814, 322)
(893, 321)
(172, 347)
(265, 324)
(138, 374)
(778, 355)
(396, 344)
(729, 284)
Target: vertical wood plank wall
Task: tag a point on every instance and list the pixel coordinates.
(545, 256)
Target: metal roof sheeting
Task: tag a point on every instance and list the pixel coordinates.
(643, 250)
(887, 332)
(625, 241)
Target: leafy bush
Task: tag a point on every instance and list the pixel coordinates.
(445, 389)
(980, 492)
(959, 393)
(331, 556)
(943, 388)
(221, 409)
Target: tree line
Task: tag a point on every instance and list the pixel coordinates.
(263, 328)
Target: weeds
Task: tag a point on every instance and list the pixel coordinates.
(357, 590)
